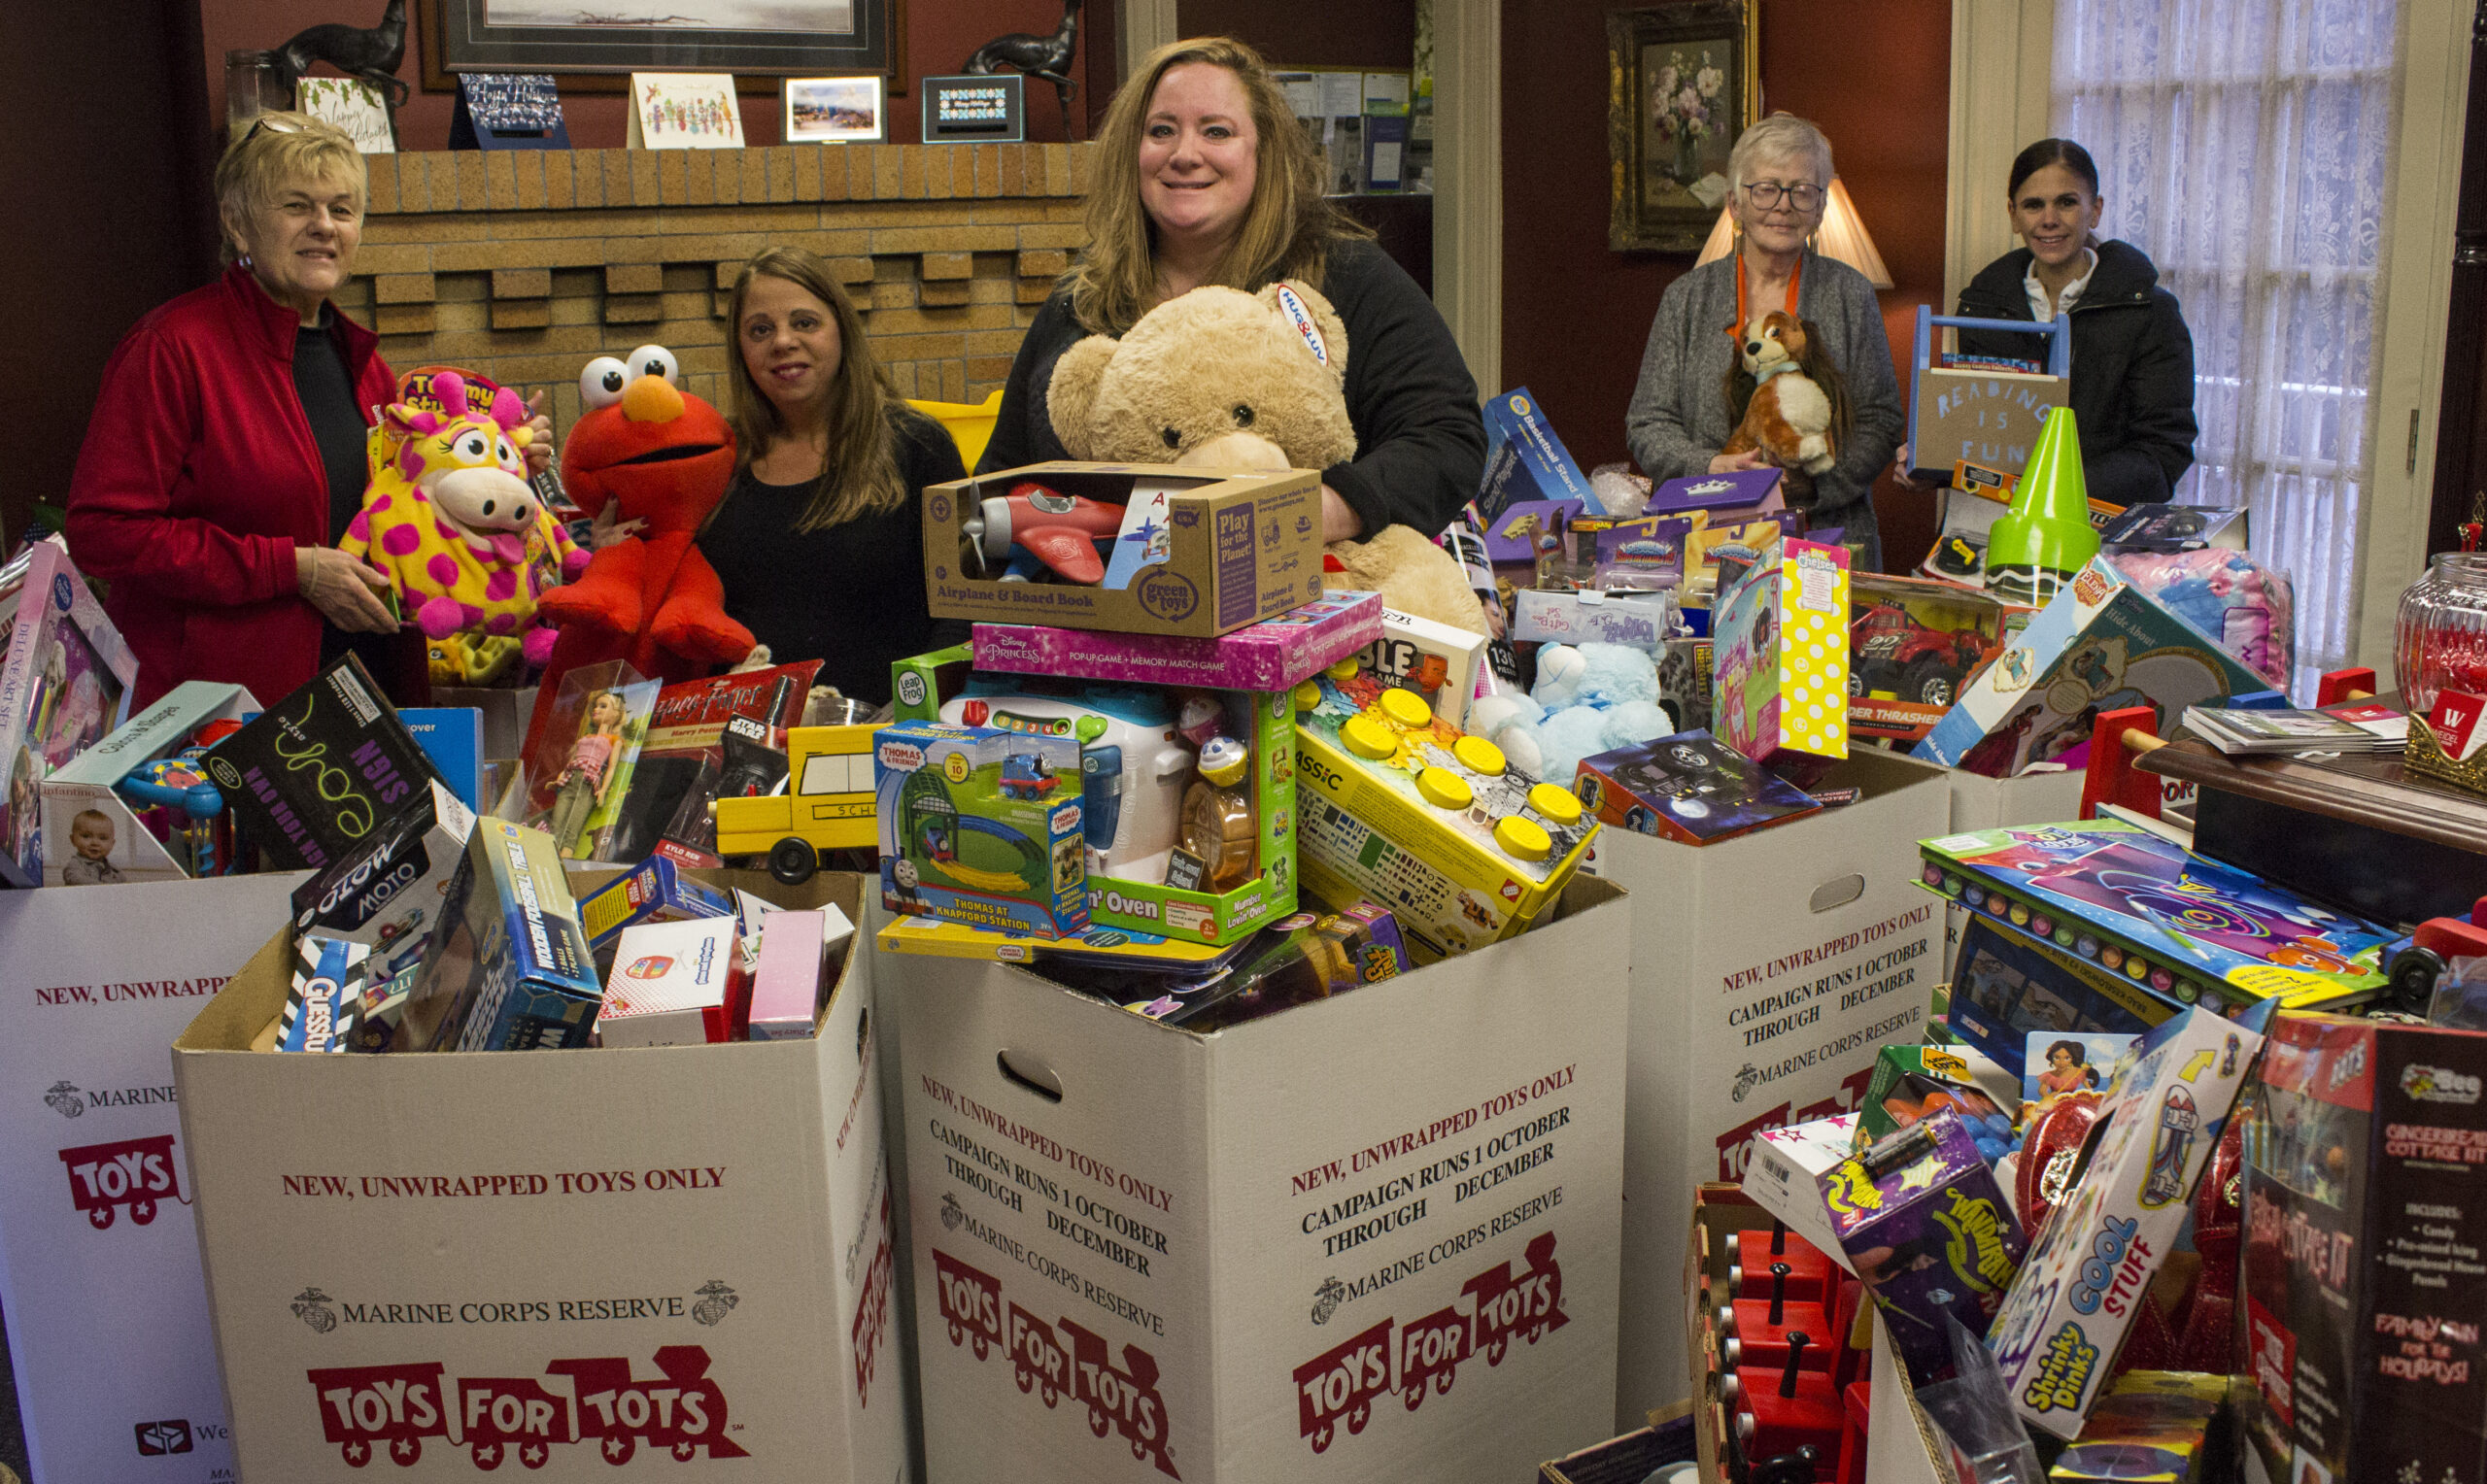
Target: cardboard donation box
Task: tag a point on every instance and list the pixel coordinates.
(1142, 549)
(99, 1265)
(1269, 1253)
(1766, 970)
(566, 1257)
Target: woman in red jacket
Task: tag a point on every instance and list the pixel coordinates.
(226, 454)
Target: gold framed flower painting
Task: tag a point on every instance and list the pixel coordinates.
(1683, 81)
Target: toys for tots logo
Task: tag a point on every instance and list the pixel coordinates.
(126, 1176)
(1122, 1399)
(1343, 1383)
(368, 1410)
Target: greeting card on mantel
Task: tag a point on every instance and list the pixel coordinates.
(684, 110)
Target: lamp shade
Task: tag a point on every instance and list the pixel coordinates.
(1842, 235)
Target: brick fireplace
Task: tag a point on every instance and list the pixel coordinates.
(526, 266)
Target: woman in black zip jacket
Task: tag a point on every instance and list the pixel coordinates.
(2133, 359)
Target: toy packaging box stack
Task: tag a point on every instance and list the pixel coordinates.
(981, 825)
(64, 685)
(1145, 713)
(2364, 1298)
(378, 1283)
(2062, 1325)
(2187, 928)
(393, 893)
(1404, 809)
(1779, 638)
(1184, 552)
(2100, 644)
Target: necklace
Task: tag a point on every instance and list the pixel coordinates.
(1794, 279)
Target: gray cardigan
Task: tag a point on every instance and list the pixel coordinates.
(1678, 419)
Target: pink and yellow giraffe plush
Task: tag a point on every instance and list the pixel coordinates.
(453, 522)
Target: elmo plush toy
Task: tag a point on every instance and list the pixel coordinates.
(661, 458)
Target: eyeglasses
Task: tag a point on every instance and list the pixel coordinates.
(1767, 194)
(271, 122)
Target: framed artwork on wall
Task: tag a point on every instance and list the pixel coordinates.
(594, 46)
(1683, 81)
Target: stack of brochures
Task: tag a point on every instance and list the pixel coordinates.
(2361, 727)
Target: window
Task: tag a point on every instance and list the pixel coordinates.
(2246, 148)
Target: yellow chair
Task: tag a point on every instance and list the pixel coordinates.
(970, 423)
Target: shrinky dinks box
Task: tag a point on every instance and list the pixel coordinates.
(981, 825)
(2083, 1284)
(1241, 546)
(1368, 831)
(2364, 1293)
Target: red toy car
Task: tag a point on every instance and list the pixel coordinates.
(1890, 651)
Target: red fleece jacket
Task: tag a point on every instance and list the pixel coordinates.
(199, 477)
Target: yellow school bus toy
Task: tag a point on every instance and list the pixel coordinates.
(827, 805)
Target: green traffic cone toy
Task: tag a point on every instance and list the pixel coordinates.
(2046, 537)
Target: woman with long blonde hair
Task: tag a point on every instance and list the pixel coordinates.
(1204, 176)
(817, 538)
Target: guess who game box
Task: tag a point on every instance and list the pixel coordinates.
(2366, 1181)
(1401, 808)
(2187, 927)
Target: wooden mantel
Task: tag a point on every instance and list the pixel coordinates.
(526, 266)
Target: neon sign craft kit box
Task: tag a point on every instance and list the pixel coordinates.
(1401, 809)
(315, 774)
(981, 825)
(1220, 549)
(378, 1283)
(2082, 1284)
(2363, 1297)
(2191, 929)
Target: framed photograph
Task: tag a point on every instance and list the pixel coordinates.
(1683, 81)
(594, 46)
(834, 111)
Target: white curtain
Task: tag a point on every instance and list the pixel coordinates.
(2246, 145)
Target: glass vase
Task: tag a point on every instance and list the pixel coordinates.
(2442, 639)
(251, 89)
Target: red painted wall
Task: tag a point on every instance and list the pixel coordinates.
(940, 34)
(1379, 34)
(1575, 314)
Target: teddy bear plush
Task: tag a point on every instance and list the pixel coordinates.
(1588, 699)
(1222, 379)
(1796, 415)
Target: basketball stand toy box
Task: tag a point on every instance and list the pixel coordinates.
(1402, 808)
(376, 1229)
(1132, 548)
(981, 825)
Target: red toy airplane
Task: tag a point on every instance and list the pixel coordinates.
(1060, 530)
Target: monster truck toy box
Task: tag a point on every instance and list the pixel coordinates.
(391, 1246)
(1138, 549)
(1912, 643)
(1369, 1238)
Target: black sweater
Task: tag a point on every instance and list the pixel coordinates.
(1421, 445)
(850, 595)
(2132, 367)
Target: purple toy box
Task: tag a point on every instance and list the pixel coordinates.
(1743, 491)
(1273, 655)
(1925, 1225)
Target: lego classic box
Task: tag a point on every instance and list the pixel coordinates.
(677, 1259)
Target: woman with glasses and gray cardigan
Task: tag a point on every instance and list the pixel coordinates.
(1778, 177)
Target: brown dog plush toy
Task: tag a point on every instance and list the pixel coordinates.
(1795, 401)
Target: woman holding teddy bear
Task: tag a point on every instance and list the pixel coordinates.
(1779, 178)
(1204, 176)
